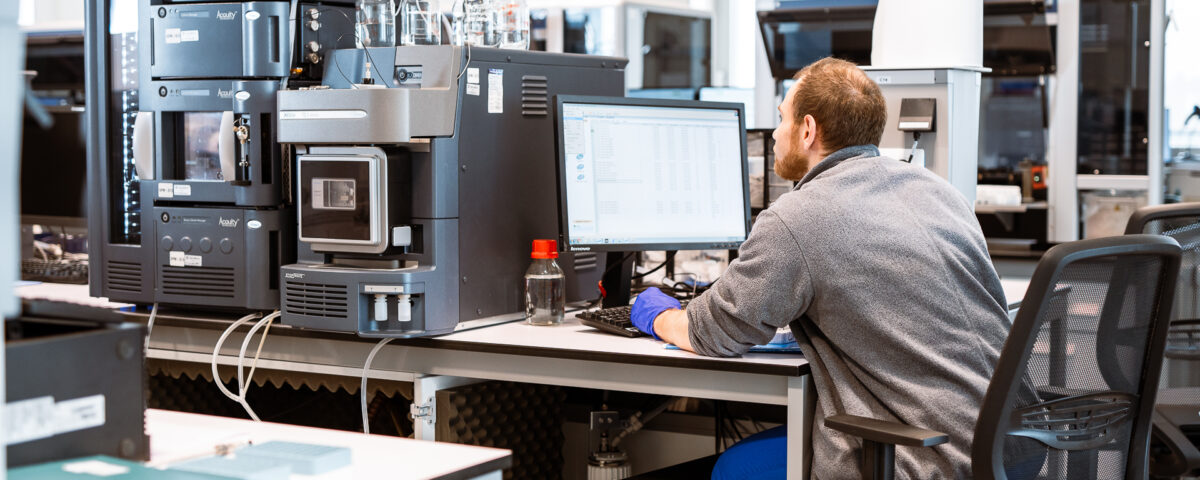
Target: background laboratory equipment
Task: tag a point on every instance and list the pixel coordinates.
(376, 26)
(474, 23)
(428, 162)
(512, 23)
(544, 281)
(421, 22)
(190, 202)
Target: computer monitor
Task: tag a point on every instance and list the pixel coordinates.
(663, 93)
(54, 155)
(642, 174)
(54, 170)
(744, 96)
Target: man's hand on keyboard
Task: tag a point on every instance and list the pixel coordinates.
(648, 306)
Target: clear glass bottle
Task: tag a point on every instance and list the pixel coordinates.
(474, 23)
(376, 23)
(420, 22)
(512, 24)
(458, 20)
(545, 299)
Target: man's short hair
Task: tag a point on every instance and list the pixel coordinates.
(847, 105)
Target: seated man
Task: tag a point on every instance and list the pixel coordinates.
(882, 271)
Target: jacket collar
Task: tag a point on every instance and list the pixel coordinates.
(835, 158)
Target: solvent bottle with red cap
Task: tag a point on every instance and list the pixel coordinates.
(544, 282)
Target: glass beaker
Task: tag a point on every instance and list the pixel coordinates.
(376, 25)
(421, 22)
(512, 24)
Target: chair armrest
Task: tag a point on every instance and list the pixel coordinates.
(883, 431)
(1180, 457)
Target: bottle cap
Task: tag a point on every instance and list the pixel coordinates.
(544, 249)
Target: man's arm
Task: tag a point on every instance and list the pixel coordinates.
(764, 289)
(672, 327)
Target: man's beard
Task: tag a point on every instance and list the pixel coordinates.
(792, 166)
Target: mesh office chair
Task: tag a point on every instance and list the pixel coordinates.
(1173, 453)
(1074, 388)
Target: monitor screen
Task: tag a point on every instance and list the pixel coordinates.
(651, 174)
(54, 169)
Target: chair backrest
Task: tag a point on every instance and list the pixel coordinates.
(1073, 390)
(1180, 221)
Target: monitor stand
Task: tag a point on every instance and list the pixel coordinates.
(618, 280)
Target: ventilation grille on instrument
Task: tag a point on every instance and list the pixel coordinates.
(535, 96)
(586, 261)
(217, 282)
(124, 277)
(317, 300)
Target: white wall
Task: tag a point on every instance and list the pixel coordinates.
(42, 15)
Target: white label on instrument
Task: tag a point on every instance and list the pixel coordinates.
(242, 95)
(95, 468)
(177, 259)
(883, 79)
(473, 75)
(78, 414)
(173, 35)
(495, 90)
(182, 190)
(473, 89)
(166, 190)
(913, 125)
(41, 417)
(193, 261)
(27, 420)
(189, 36)
(252, 15)
(322, 114)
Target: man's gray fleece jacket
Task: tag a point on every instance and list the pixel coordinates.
(882, 271)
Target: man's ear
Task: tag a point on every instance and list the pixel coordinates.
(810, 132)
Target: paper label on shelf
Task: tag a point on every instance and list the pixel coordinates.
(473, 89)
(173, 35)
(41, 417)
(193, 261)
(495, 90)
(181, 190)
(473, 75)
(177, 259)
(95, 468)
(189, 36)
(166, 190)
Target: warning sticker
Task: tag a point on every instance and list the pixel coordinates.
(495, 90)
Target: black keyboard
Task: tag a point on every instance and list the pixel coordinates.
(55, 271)
(614, 320)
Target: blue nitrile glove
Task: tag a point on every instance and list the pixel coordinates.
(648, 306)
